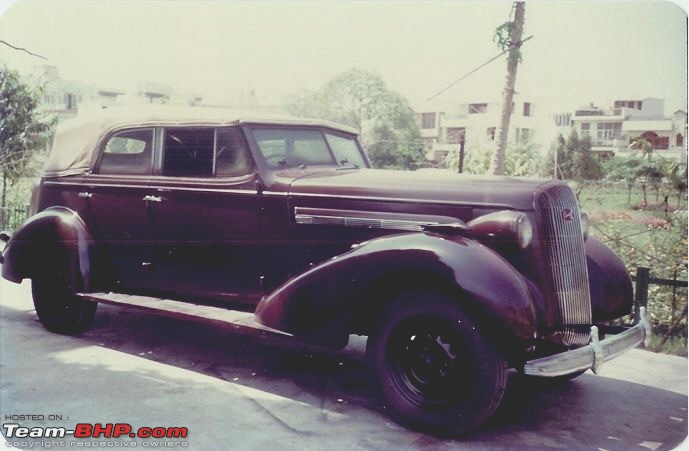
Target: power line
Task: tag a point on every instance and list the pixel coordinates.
(21, 49)
(474, 70)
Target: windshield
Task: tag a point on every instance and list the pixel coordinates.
(300, 147)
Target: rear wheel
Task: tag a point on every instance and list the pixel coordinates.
(54, 298)
(436, 369)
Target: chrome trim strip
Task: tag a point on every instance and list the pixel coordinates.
(402, 199)
(366, 223)
(155, 187)
(284, 193)
(365, 219)
(593, 355)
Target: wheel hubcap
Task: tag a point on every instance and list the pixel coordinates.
(425, 360)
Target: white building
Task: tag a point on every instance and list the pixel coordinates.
(443, 128)
(65, 98)
(612, 130)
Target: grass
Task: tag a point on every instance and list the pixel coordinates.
(674, 345)
(646, 236)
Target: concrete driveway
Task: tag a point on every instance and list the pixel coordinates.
(249, 391)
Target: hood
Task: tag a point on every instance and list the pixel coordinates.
(424, 186)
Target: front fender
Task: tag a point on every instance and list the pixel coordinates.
(25, 253)
(318, 305)
(609, 282)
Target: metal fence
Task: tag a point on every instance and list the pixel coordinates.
(679, 309)
(12, 217)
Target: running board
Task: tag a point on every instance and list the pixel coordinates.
(183, 310)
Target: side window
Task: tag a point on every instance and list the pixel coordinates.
(346, 150)
(128, 153)
(188, 152)
(309, 148)
(232, 153)
(292, 147)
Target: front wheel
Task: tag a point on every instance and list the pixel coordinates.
(436, 369)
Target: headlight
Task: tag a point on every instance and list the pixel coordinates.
(524, 232)
(503, 227)
(585, 225)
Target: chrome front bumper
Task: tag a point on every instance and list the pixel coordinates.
(594, 354)
(4, 239)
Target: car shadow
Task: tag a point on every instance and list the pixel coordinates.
(590, 412)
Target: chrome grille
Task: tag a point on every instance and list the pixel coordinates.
(563, 245)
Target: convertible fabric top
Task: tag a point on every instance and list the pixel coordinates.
(77, 140)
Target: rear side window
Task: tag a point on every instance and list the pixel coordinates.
(128, 152)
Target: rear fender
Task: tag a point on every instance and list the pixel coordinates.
(25, 253)
(318, 306)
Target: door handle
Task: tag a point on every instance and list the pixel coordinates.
(150, 198)
(85, 195)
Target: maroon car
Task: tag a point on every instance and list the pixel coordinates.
(280, 223)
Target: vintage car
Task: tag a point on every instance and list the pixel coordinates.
(280, 223)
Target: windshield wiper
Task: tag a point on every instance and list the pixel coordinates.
(345, 162)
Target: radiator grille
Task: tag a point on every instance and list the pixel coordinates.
(563, 245)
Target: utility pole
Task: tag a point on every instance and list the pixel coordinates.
(460, 166)
(516, 28)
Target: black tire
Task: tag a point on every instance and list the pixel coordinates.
(57, 306)
(437, 371)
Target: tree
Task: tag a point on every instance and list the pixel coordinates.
(508, 36)
(622, 169)
(384, 118)
(643, 146)
(678, 179)
(22, 129)
(650, 171)
(575, 161)
(523, 158)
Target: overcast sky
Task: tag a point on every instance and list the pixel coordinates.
(580, 52)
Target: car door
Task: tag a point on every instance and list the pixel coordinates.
(114, 208)
(205, 215)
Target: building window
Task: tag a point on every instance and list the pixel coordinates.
(455, 135)
(634, 104)
(563, 120)
(679, 140)
(427, 120)
(663, 142)
(490, 131)
(527, 109)
(70, 101)
(585, 129)
(477, 108)
(609, 130)
(525, 134)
